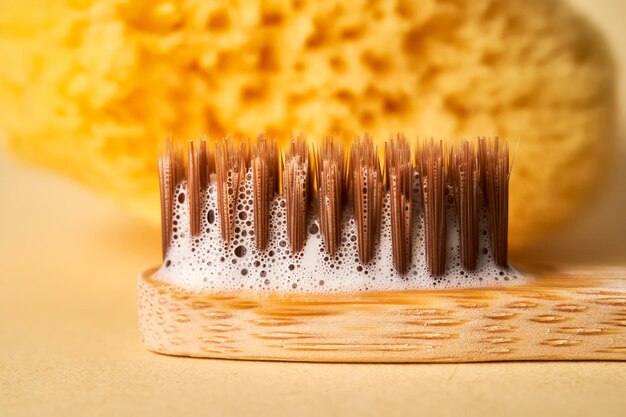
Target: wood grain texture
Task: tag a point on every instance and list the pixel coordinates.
(566, 315)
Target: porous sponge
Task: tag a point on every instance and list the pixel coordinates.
(93, 89)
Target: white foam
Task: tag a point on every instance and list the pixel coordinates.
(205, 263)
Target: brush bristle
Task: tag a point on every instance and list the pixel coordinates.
(230, 166)
(264, 167)
(399, 171)
(367, 186)
(296, 178)
(432, 173)
(331, 184)
(464, 177)
(325, 182)
(495, 174)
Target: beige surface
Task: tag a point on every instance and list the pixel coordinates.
(69, 343)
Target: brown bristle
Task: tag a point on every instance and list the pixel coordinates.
(264, 165)
(165, 187)
(432, 176)
(195, 165)
(171, 173)
(400, 183)
(230, 166)
(495, 173)
(368, 195)
(203, 165)
(330, 179)
(296, 178)
(464, 176)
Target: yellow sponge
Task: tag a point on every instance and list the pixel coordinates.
(93, 88)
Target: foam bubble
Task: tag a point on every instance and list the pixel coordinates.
(206, 263)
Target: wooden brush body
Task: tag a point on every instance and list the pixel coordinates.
(557, 315)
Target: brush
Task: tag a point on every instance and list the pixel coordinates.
(330, 253)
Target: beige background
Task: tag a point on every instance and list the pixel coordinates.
(69, 343)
